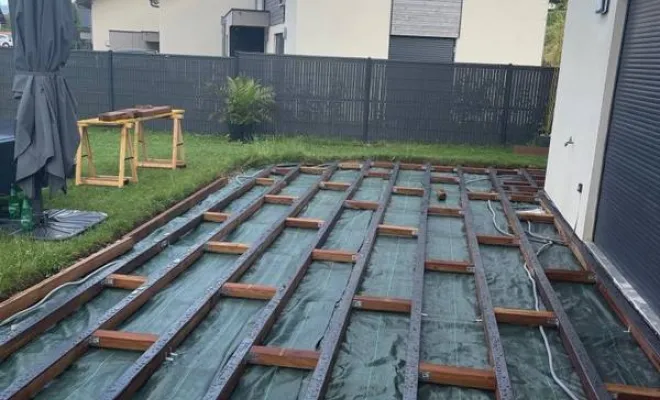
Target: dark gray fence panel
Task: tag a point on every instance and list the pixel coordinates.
(88, 75)
(7, 103)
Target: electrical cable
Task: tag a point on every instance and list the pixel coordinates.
(547, 245)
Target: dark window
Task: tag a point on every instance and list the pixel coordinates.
(279, 43)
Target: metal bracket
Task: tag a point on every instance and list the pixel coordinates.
(424, 376)
(357, 304)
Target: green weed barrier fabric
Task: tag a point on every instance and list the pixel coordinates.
(428, 391)
(271, 383)
(446, 239)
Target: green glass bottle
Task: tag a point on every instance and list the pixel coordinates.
(27, 219)
(14, 203)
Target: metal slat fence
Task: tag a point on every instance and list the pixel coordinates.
(343, 98)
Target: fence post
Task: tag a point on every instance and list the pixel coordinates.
(507, 103)
(111, 81)
(367, 99)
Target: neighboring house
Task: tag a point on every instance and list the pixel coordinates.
(604, 165)
(478, 31)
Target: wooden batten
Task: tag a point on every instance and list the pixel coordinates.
(383, 304)
(379, 174)
(382, 164)
(497, 240)
(476, 170)
(441, 194)
(442, 168)
(279, 199)
(408, 191)
(525, 317)
(334, 256)
(281, 357)
(265, 181)
(444, 179)
(524, 191)
(507, 171)
(628, 392)
(566, 275)
(361, 205)
(516, 183)
(215, 216)
(445, 211)
(306, 223)
(312, 170)
(119, 340)
(130, 282)
(523, 198)
(458, 267)
(226, 247)
(334, 185)
(248, 291)
(542, 218)
(395, 230)
(457, 376)
(281, 170)
(484, 196)
(411, 167)
(350, 165)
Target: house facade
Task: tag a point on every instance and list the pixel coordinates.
(477, 31)
(604, 164)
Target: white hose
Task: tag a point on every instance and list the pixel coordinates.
(52, 292)
(547, 245)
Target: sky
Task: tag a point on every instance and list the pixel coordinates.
(4, 6)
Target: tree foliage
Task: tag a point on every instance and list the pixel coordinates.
(554, 34)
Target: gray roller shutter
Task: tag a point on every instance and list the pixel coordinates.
(628, 216)
(407, 48)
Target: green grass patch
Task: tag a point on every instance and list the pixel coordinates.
(25, 261)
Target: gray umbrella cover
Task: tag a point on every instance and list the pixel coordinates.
(46, 129)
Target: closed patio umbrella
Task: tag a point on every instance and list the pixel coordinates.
(46, 130)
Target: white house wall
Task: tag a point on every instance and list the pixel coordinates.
(503, 31)
(121, 15)
(591, 50)
(342, 28)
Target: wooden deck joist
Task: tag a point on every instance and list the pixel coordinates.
(473, 378)
(411, 166)
(523, 198)
(281, 170)
(119, 340)
(135, 376)
(211, 216)
(503, 387)
(121, 281)
(56, 310)
(541, 218)
(396, 230)
(279, 199)
(334, 256)
(382, 304)
(445, 211)
(444, 179)
(282, 357)
(475, 170)
(382, 164)
(413, 342)
(627, 392)
(305, 223)
(525, 317)
(350, 165)
(592, 383)
(567, 275)
(520, 190)
(361, 205)
(265, 181)
(227, 378)
(226, 247)
(498, 240)
(408, 191)
(248, 291)
(442, 168)
(339, 186)
(337, 326)
(484, 196)
(457, 267)
(31, 382)
(312, 170)
(379, 174)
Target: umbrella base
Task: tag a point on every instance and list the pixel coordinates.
(56, 224)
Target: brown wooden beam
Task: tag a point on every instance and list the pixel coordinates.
(350, 165)
(265, 181)
(379, 174)
(457, 267)
(442, 168)
(226, 247)
(281, 357)
(312, 170)
(497, 240)
(215, 216)
(457, 376)
(334, 255)
(445, 211)
(444, 179)
(395, 230)
(408, 191)
(475, 170)
(279, 199)
(566, 275)
(361, 205)
(627, 392)
(382, 164)
(248, 291)
(541, 218)
(120, 281)
(525, 317)
(412, 167)
(305, 223)
(383, 304)
(340, 186)
(119, 340)
(523, 198)
(483, 196)
(520, 183)
(281, 170)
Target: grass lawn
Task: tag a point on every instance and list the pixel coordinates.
(25, 262)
